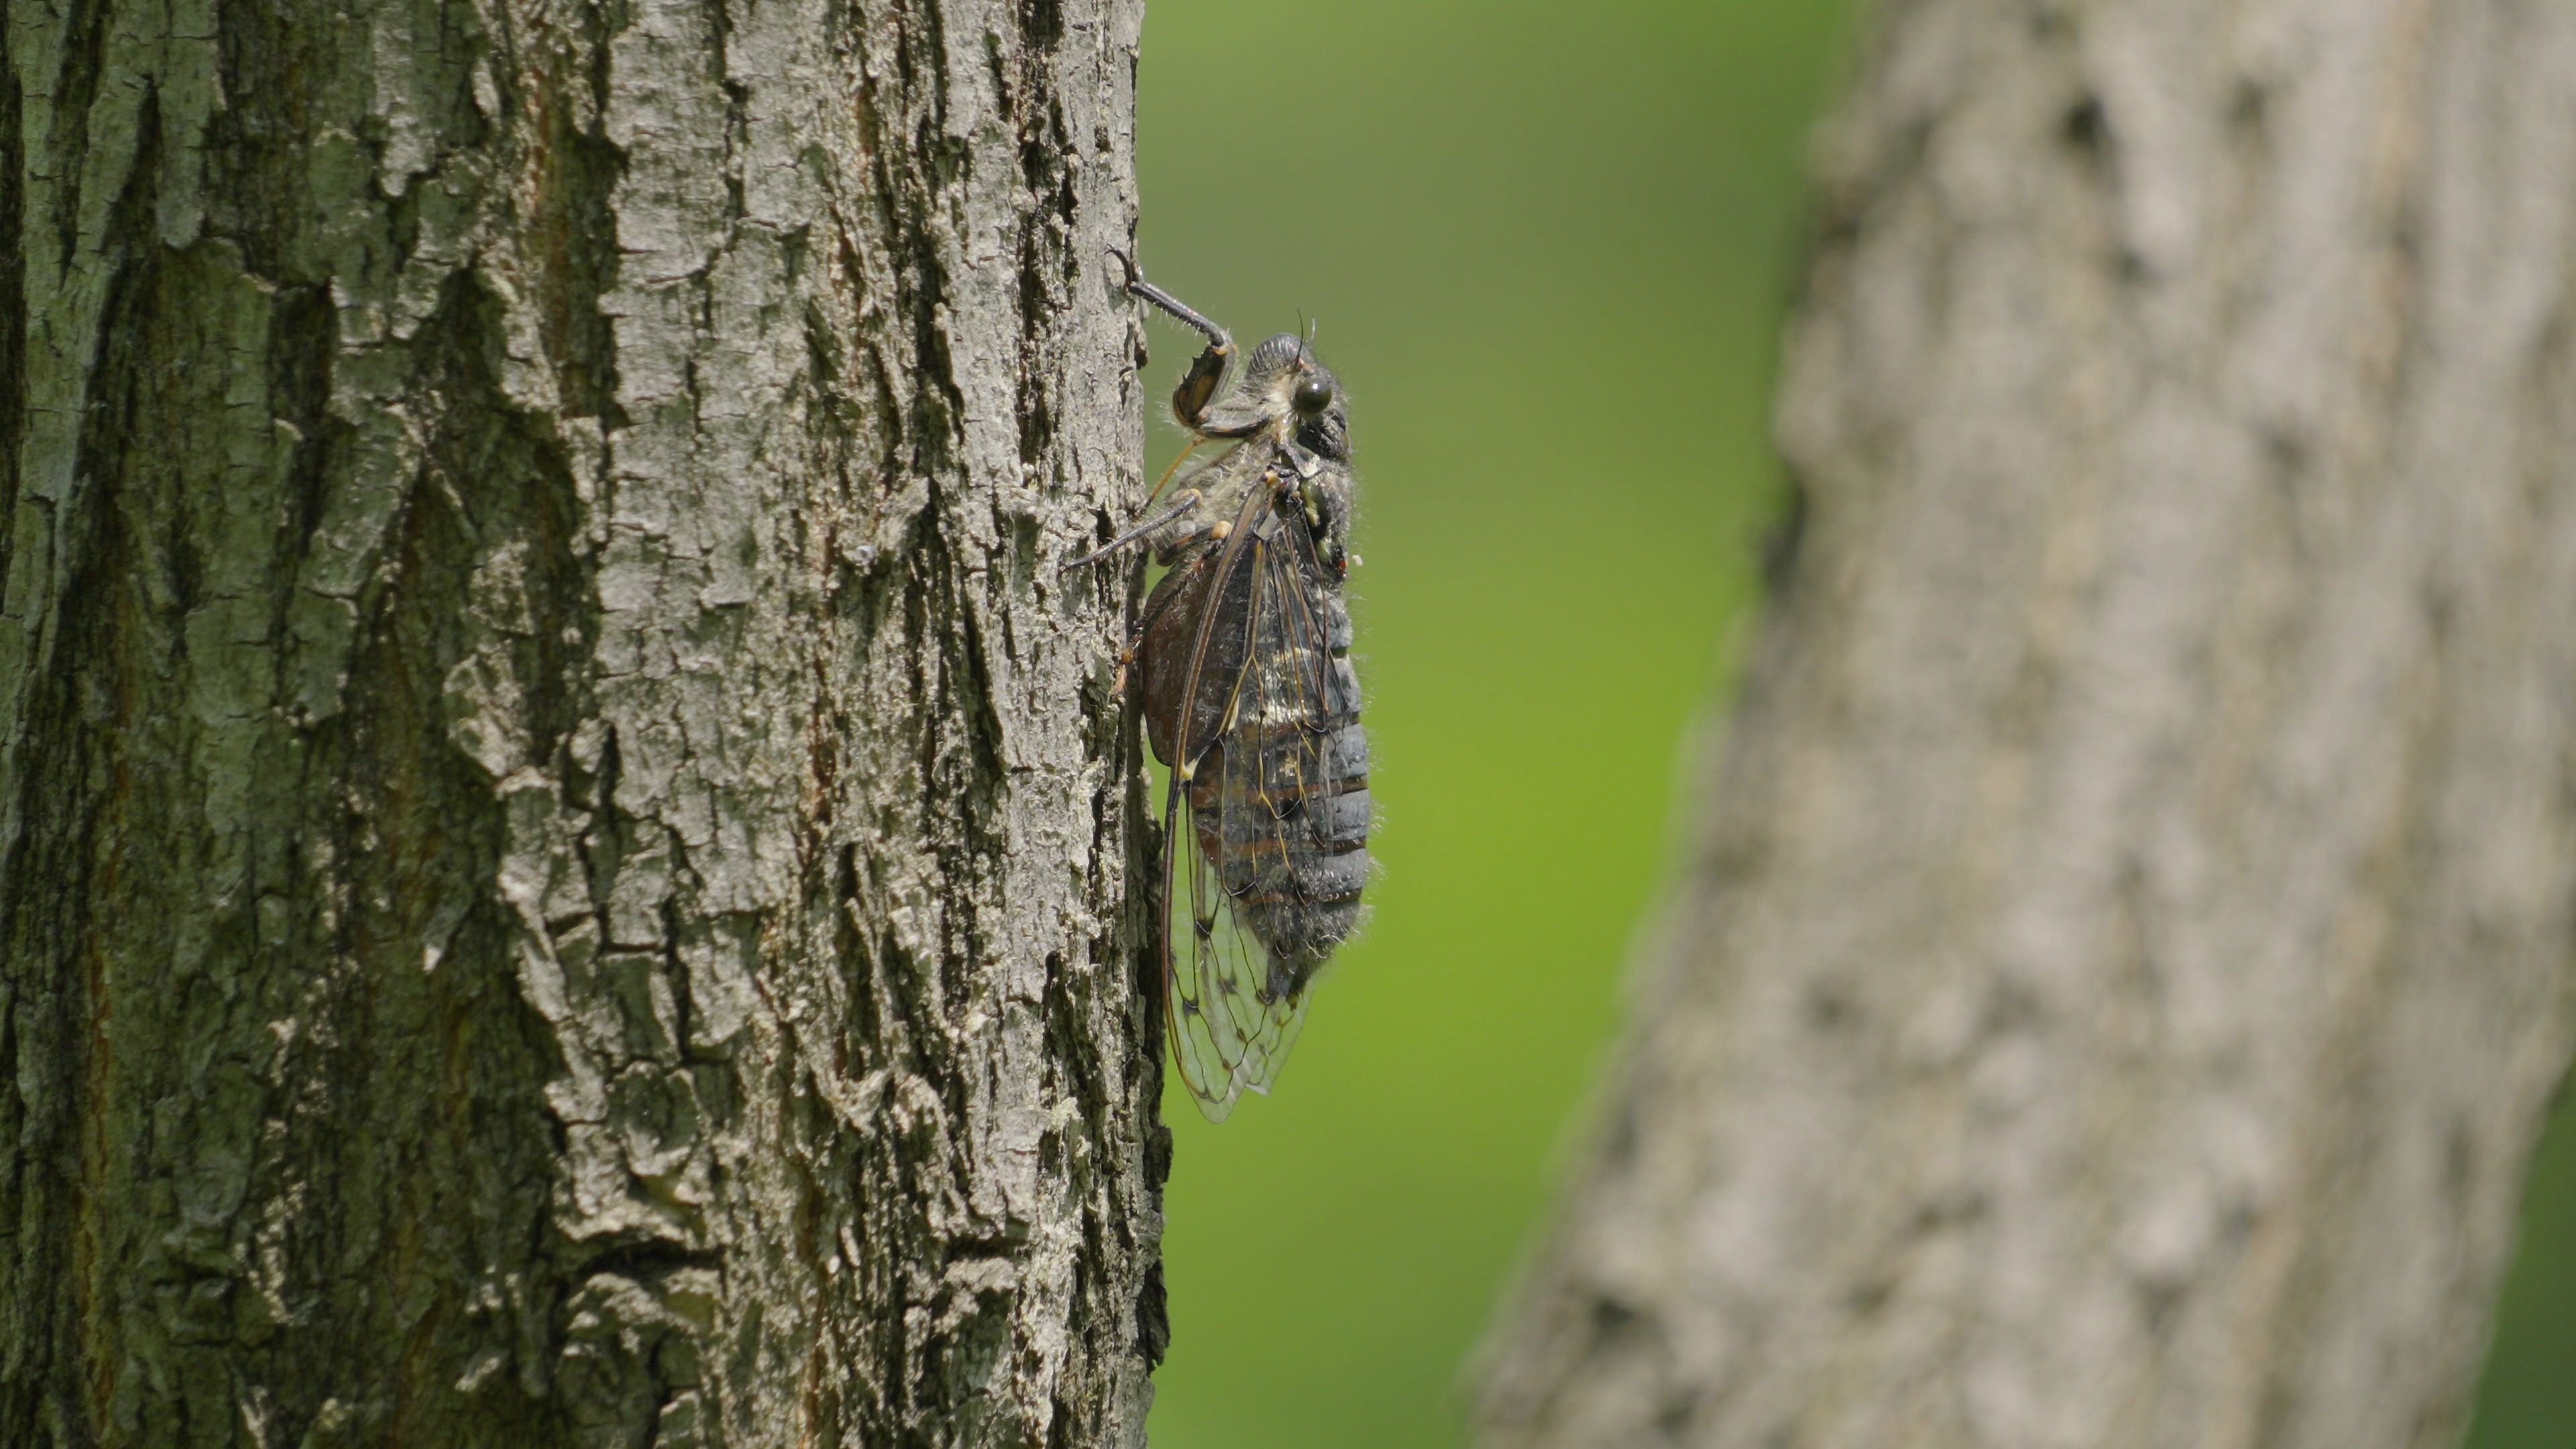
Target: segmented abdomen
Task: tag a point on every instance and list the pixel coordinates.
(1281, 804)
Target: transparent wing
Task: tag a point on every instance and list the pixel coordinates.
(1274, 854)
(1229, 1031)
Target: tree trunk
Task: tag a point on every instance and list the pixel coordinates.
(2127, 961)
(562, 845)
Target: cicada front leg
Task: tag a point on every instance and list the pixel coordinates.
(1198, 386)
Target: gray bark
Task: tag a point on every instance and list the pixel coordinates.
(562, 847)
(2127, 958)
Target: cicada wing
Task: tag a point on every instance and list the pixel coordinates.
(1229, 1031)
(1272, 856)
(1305, 797)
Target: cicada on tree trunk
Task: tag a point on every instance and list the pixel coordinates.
(1243, 655)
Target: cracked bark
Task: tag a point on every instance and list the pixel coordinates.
(562, 847)
(2126, 962)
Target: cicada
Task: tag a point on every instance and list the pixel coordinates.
(1243, 658)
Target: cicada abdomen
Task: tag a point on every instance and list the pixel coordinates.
(1280, 804)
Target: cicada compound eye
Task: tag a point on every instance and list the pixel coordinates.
(1314, 395)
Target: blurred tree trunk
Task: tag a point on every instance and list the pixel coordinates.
(557, 884)
(2128, 957)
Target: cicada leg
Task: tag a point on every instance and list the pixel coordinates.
(1182, 502)
(1198, 386)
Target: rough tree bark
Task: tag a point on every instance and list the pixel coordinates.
(561, 843)
(2128, 955)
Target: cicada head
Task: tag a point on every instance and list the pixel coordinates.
(1286, 390)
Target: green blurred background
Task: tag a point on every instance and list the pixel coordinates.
(1548, 252)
